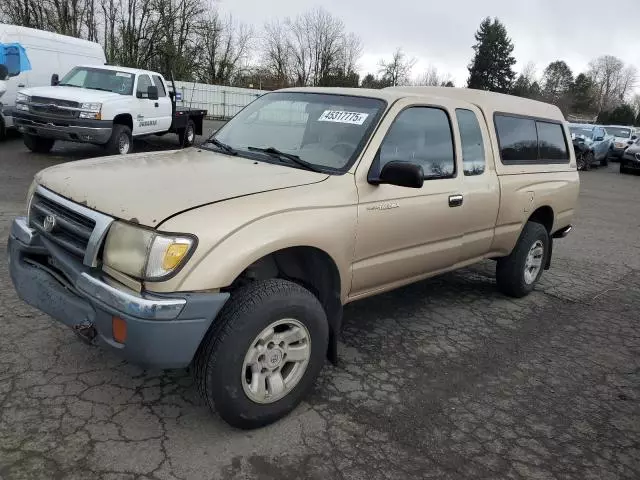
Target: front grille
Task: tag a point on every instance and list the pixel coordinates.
(55, 101)
(49, 106)
(61, 225)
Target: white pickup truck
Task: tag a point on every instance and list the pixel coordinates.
(103, 105)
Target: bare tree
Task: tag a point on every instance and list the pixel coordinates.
(432, 78)
(28, 13)
(398, 70)
(224, 46)
(613, 82)
(277, 52)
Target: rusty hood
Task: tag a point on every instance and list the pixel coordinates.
(147, 188)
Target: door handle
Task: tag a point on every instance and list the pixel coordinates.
(21, 85)
(455, 200)
(157, 104)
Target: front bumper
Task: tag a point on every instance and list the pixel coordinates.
(630, 162)
(162, 331)
(71, 130)
(617, 152)
(7, 116)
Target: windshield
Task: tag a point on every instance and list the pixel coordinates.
(326, 131)
(99, 79)
(619, 132)
(584, 132)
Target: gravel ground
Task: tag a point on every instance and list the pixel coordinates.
(443, 379)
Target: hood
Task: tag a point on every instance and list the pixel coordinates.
(72, 94)
(149, 187)
(624, 140)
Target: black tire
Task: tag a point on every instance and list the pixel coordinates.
(121, 141)
(218, 364)
(3, 130)
(605, 160)
(623, 168)
(589, 159)
(38, 144)
(187, 135)
(510, 270)
(580, 161)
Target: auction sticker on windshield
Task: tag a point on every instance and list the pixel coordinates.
(338, 116)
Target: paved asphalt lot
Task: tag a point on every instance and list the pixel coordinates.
(443, 379)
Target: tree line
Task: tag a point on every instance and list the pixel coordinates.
(191, 39)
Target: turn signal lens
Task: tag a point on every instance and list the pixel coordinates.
(119, 327)
(174, 255)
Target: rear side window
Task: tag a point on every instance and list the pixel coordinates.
(530, 141)
(551, 141)
(472, 144)
(421, 135)
(157, 81)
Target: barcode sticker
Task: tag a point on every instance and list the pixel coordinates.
(338, 116)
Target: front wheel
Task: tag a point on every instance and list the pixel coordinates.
(187, 135)
(121, 141)
(264, 353)
(518, 273)
(605, 160)
(38, 144)
(623, 168)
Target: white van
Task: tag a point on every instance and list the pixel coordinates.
(48, 53)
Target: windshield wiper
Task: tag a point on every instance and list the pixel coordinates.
(99, 88)
(223, 146)
(289, 156)
(68, 85)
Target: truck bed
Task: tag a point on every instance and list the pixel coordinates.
(182, 116)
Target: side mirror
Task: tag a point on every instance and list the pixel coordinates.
(599, 139)
(634, 137)
(402, 174)
(152, 92)
(55, 80)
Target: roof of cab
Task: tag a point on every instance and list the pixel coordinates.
(489, 102)
(116, 68)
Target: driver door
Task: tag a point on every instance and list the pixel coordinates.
(145, 120)
(403, 233)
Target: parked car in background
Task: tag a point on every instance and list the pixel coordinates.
(623, 136)
(630, 161)
(46, 53)
(591, 144)
(103, 105)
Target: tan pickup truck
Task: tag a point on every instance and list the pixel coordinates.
(235, 258)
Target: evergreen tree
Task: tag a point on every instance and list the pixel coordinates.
(583, 93)
(622, 115)
(492, 65)
(558, 80)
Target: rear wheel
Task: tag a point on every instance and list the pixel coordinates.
(38, 144)
(518, 273)
(265, 353)
(187, 135)
(121, 141)
(623, 168)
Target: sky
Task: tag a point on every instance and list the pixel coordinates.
(441, 33)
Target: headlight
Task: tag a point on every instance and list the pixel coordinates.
(30, 193)
(91, 115)
(145, 254)
(21, 97)
(619, 145)
(22, 107)
(92, 111)
(93, 107)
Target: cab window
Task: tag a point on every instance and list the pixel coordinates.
(421, 135)
(473, 161)
(144, 82)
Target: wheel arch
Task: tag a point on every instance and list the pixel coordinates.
(309, 266)
(124, 119)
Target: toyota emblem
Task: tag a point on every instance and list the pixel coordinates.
(49, 223)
